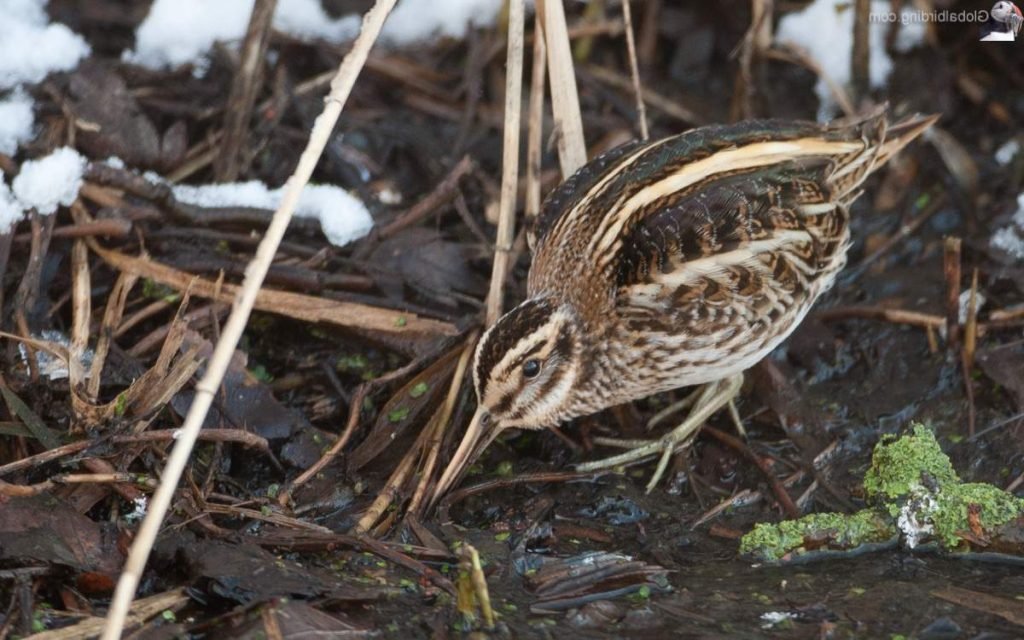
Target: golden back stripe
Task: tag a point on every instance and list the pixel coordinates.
(746, 256)
(580, 207)
(751, 156)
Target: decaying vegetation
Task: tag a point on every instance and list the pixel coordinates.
(307, 502)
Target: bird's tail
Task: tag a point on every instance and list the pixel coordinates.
(901, 134)
(882, 141)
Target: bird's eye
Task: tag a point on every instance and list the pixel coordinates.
(531, 368)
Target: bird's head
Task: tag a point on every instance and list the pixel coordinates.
(525, 372)
(1004, 11)
(527, 364)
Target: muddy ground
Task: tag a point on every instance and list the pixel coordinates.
(252, 564)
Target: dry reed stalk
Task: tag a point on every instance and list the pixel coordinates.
(111, 319)
(206, 388)
(391, 490)
(535, 127)
(479, 580)
(81, 312)
(510, 159)
(292, 305)
(227, 165)
(860, 61)
(968, 351)
(565, 100)
(951, 273)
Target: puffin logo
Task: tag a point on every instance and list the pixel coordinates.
(1003, 24)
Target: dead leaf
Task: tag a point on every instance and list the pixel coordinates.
(111, 123)
(245, 402)
(293, 620)
(406, 407)
(45, 529)
(419, 258)
(1003, 365)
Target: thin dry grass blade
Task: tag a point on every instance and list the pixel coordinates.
(111, 319)
(392, 489)
(141, 611)
(634, 70)
(441, 421)
(798, 55)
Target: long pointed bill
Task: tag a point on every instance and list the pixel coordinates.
(479, 434)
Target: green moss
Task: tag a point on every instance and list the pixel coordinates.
(995, 508)
(419, 389)
(910, 479)
(898, 465)
(833, 531)
(399, 414)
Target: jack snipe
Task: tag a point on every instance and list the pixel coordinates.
(671, 263)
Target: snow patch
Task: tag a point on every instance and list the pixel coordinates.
(915, 516)
(416, 20)
(306, 19)
(389, 196)
(825, 30)
(16, 121)
(965, 302)
(1011, 239)
(139, 507)
(1007, 152)
(343, 218)
(43, 184)
(51, 366)
(771, 619)
(31, 47)
(10, 210)
(176, 32)
(50, 181)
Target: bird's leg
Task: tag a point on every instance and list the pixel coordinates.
(713, 397)
(736, 420)
(662, 415)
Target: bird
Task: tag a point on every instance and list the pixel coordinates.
(670, 263)
(1004, 22)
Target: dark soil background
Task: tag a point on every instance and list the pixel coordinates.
(237, 559)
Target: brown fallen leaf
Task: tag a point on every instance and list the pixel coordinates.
(405, 408)
(422, 260)
(245, 401)
(1009, 610)
(1003, 366)
(113, 124)
(46, 529)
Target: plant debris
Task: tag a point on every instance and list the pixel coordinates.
(917, 497)
(308, 504)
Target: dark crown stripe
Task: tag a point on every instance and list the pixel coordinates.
(506, 334)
